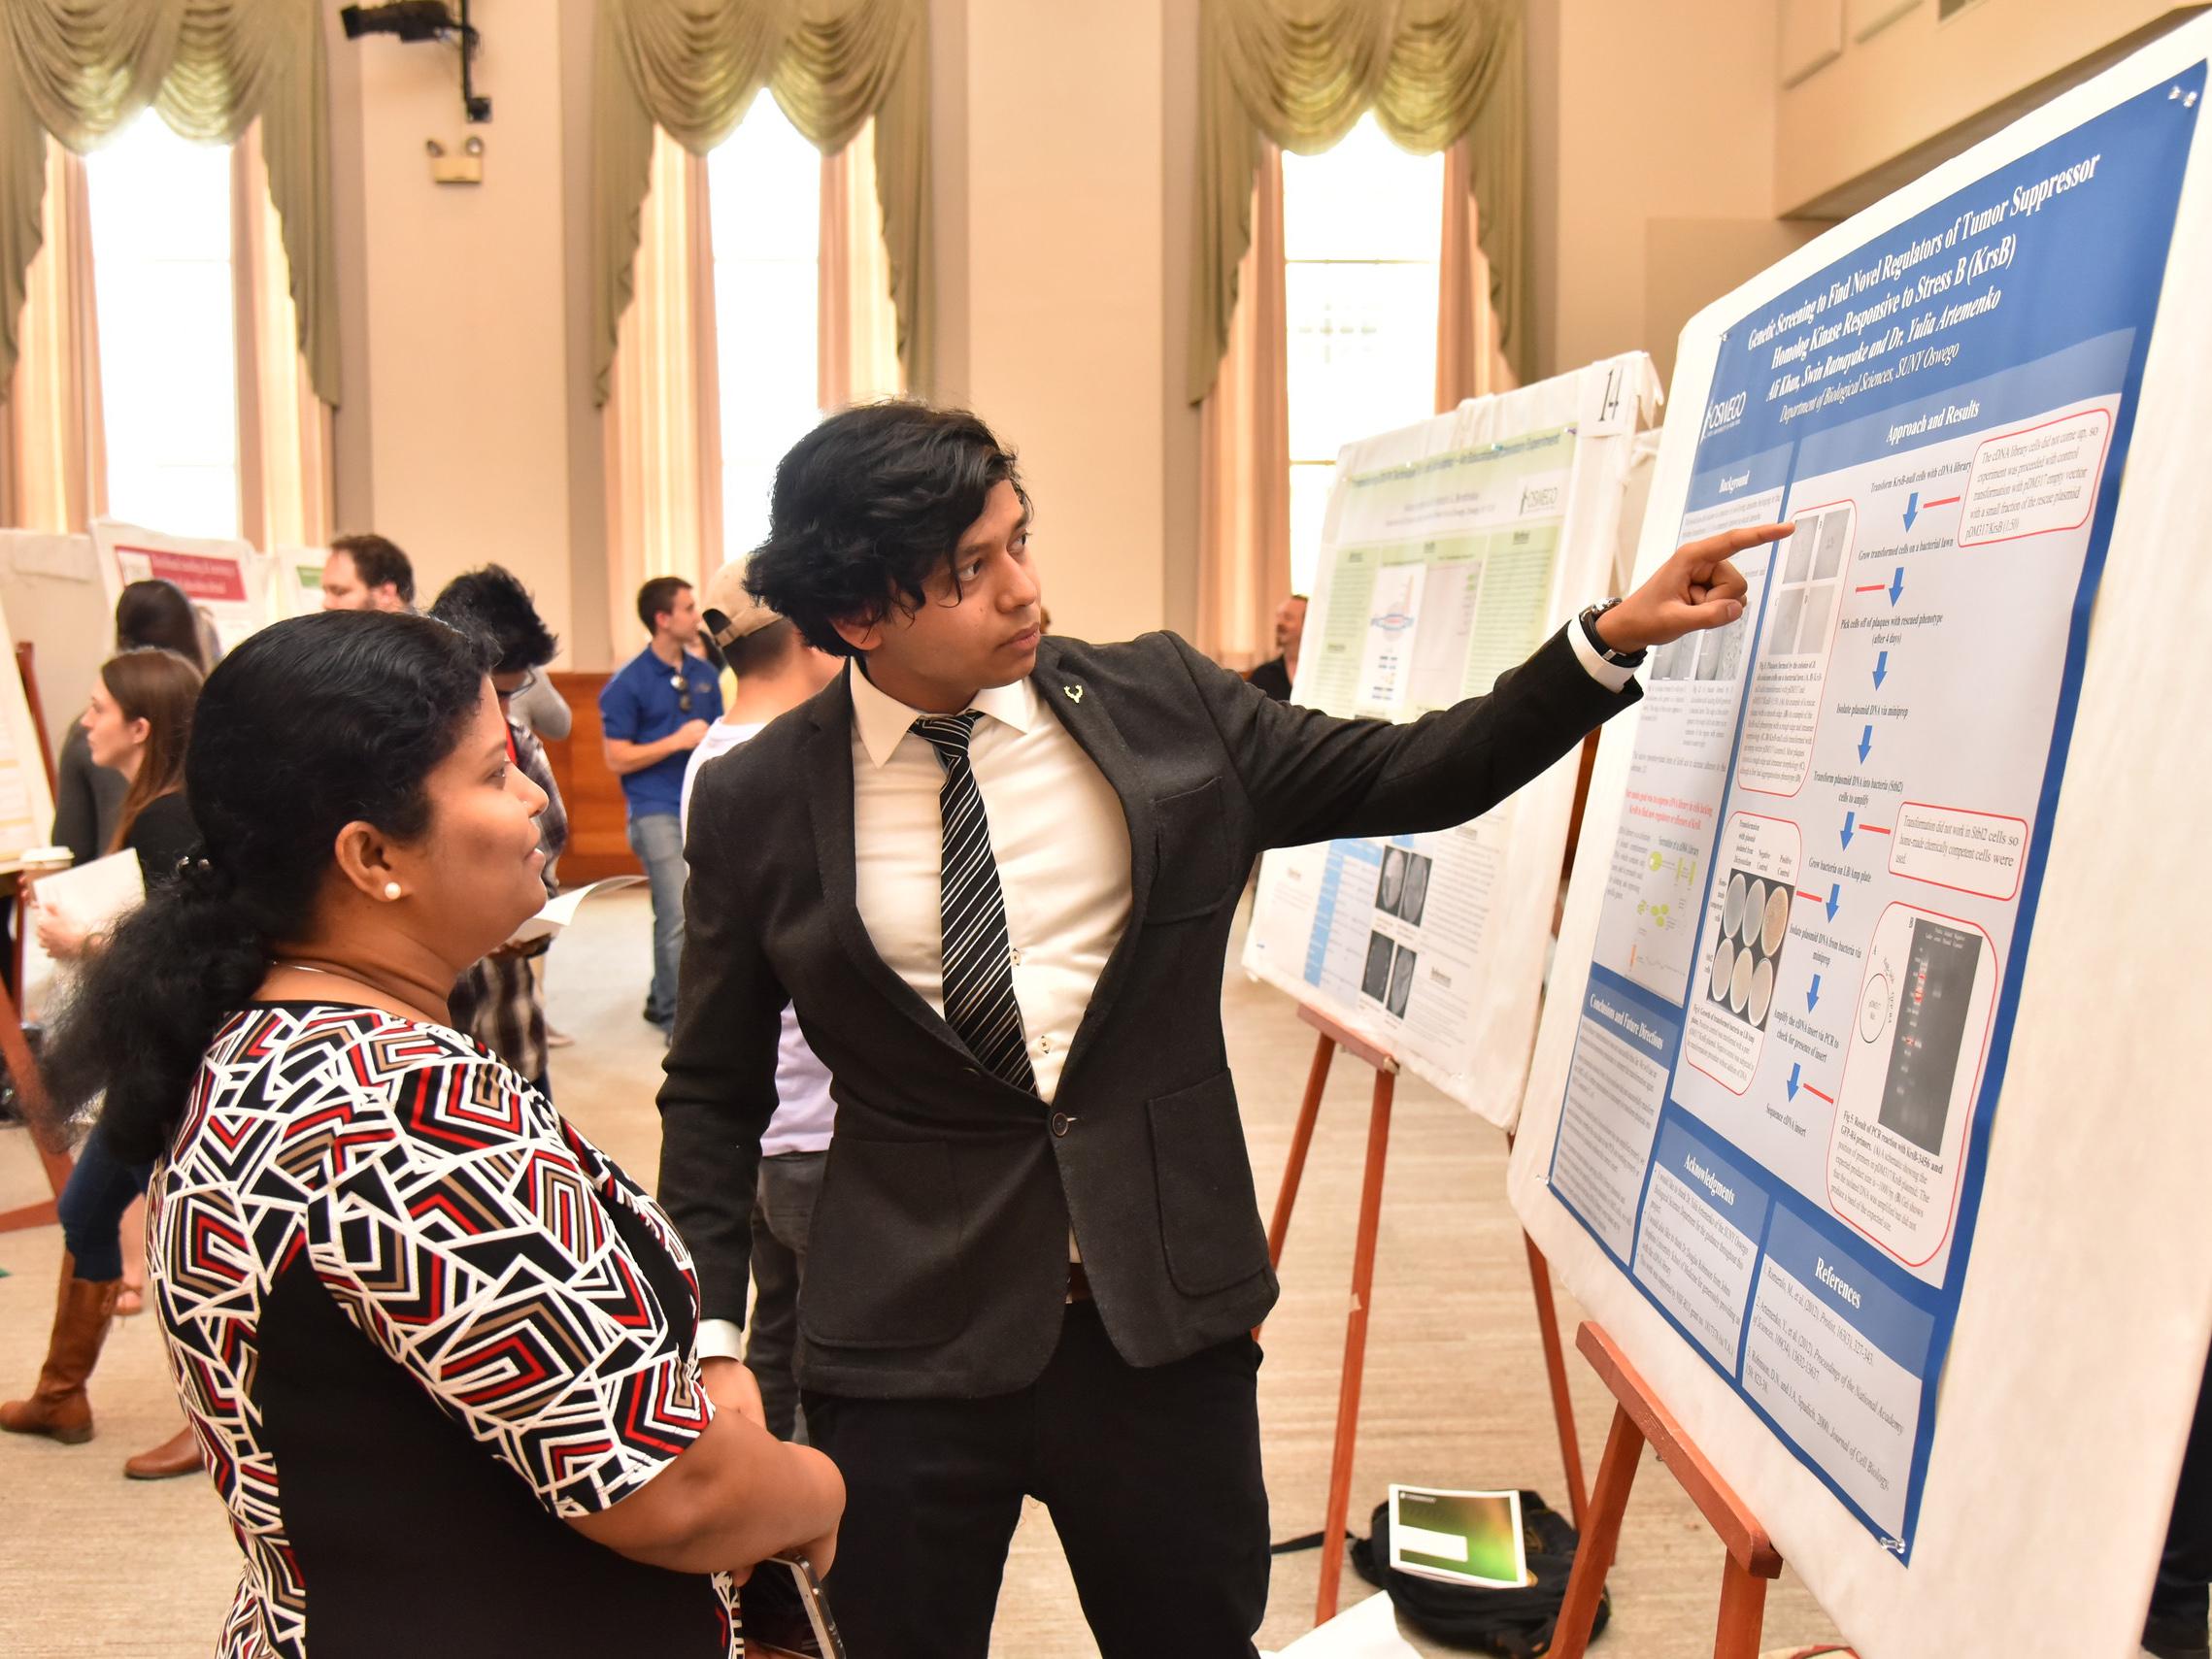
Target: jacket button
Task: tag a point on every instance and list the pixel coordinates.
(1060, 1122)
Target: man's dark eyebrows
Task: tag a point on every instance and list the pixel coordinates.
(983, 544)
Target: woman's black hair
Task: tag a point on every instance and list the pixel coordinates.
(307, 726)
(867, 507)
(492, 600)
(156, 614)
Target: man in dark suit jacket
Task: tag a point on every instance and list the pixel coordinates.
(995, 873)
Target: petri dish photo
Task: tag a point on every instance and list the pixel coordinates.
(1755, 907)
(1723, 962)
(1777, 920)
(1761, 993)
(1739, 982)
(1732, 912)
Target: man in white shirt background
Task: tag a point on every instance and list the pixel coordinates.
(776, 669)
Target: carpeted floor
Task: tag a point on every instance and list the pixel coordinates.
(1454, 1392)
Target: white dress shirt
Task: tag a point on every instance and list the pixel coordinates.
(1057, 834)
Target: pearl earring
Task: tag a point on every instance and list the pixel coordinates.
(391, 889)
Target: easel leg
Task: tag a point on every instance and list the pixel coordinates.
(1593, 1557)
(1355, 1347)
(1555, 1368)
(1743, 1613)
(30, 1092)
(1301, 1142)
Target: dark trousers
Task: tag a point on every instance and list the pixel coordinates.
(1152, 1476)
(783, 1216)
(100, 1188)
(2180, 1601)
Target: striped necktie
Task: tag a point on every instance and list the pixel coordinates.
(979, 972)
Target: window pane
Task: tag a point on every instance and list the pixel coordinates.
(1362, 351)
(1365, 199)
(765, 183)
(168, 351)
(1310, 484)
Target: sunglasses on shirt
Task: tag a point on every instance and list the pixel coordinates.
(682, 684)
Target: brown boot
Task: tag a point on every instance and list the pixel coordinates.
(59, 1407)
(178, 1454)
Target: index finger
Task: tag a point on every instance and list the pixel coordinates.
(1712, 549)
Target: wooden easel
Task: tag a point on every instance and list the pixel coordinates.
(15, 1049)
(1638, 1418)
(1386, 1068)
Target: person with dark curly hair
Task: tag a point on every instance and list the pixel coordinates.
(366, 572)
(994, 871)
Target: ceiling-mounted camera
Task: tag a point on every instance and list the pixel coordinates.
(423, 20)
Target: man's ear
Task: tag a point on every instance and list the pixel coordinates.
(863, 634)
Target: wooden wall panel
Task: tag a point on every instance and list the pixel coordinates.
(598, 844)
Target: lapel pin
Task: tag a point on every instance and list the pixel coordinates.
(1074, 694)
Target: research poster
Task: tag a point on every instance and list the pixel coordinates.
(228, 579)
(1446, 562)
(1790, 1047)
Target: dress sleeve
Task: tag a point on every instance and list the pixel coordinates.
(466, 1241)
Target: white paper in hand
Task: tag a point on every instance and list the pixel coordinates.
(559, 912)
(92, 896)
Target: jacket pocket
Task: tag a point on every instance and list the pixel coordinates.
(1209, 1217)
(883, 1268)
(1192, 874)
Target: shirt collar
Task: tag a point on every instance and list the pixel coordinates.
(882, 719)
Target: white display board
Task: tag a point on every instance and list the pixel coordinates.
(1953, 754)
(298, 587)
(228, 579)
(54, 596)
(27, 799)
(1450, 551)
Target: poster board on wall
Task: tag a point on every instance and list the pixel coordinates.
(53, 597)
(226, 577)
(1451, 549)
(1951, 761)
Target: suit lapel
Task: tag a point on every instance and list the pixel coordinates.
(1070, 698)
(830, 804)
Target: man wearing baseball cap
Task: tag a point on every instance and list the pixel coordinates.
(776, 671)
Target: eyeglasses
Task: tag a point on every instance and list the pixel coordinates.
(528, 681)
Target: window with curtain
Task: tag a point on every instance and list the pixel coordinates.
(1361, 238)
(764, 190)
(161, 265)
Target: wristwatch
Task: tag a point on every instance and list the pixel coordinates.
(1588, 619)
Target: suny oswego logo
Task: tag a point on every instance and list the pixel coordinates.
(1721, 416)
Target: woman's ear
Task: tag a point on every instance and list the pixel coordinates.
(363, 856)
(139, 731)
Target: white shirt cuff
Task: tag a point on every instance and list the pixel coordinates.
(721, 1339)
(1613, 675)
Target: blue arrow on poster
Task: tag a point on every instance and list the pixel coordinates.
(1912, 509)
(1835, 898)
(1813, 994)
(1848, 819)
(1881, 670)
(1795, 1069)
(1866, 742)
(1897, 584)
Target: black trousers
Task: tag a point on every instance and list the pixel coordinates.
(1151, 1477)
(2179, 1602)
(783, 1218)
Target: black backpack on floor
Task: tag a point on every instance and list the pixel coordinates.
(1517, 1623)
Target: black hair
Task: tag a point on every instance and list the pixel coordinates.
(308, 725)
(762, 649)
(657, 597)
(157, 614)
(376, 560)
(493, 602)
(867, 507)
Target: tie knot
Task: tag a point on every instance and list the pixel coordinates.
(948, 734)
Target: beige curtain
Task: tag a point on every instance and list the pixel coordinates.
(284, 429)
(663, 423)
(856, 324)
(81, 69)
(1244, 455)
(1469, 360)
(692, 68)
(52, 439)
(1300, 74)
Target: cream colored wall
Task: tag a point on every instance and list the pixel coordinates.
(463, 292)
(1913, 79)
(1653, 166)
(1065, 320)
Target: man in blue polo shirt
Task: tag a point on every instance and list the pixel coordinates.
(651, 714)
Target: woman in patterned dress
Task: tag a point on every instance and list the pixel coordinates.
(438, 1350)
